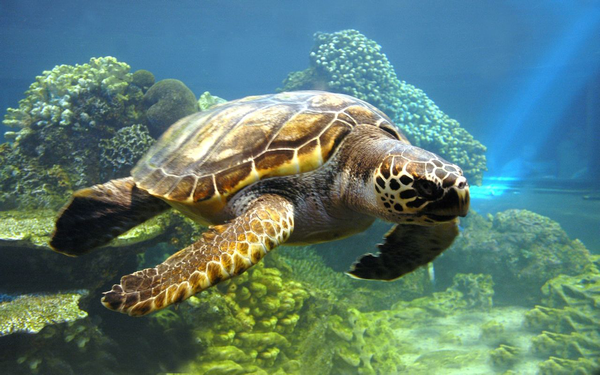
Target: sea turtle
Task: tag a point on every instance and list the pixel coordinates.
(297, 168)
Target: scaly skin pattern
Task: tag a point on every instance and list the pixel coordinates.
(224, 251)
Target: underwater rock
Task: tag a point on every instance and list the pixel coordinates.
(167, 101)
(520, 249)
(123, 150)
(31, 313)
(207, 101)
(63, 115)
(350, 63)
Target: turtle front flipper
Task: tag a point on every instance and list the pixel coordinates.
(224, 251)
(97, 214)
(406, 248)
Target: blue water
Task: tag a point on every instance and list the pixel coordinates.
(523, 77)
(507, 71)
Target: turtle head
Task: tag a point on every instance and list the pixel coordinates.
(415, 185)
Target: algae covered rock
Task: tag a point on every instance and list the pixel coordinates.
(350, 63)
(520, 249)
(167, 101)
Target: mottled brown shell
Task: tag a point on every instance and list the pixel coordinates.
(203, 159)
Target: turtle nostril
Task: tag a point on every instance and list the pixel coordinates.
(462, 183)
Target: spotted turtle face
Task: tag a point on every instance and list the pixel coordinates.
(419, 186)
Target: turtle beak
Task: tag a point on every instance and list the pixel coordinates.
(464, 197)
(455, 202)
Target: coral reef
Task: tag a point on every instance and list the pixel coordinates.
(120, 153)
(207, 101)
(143, 79)
(520, 249)
(252, 323)
(74, 347)
(364, 343)
(468, 291)
(167, 101)
(350, 63)
(63, 115)
(31, 313)
(477, 290)
(307, 265)
(568, 324)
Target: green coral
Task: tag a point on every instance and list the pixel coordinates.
(350, 63)
(31, 313)
(207, 101)
(120, 153)
(64, 113)
(167, 101)
(567, 323)
(253, 322)
(520, 249)
(364, 344)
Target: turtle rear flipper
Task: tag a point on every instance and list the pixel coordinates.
(96, 215)
(406, 248)
(224, 251)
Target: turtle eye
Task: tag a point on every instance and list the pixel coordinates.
(428, 189)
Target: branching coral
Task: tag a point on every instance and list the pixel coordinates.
(350, 63)
(63, 115)
(120, 153)
(56, 96)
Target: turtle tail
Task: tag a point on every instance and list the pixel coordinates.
(97, 214)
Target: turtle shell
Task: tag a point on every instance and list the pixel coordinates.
(205, 158)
